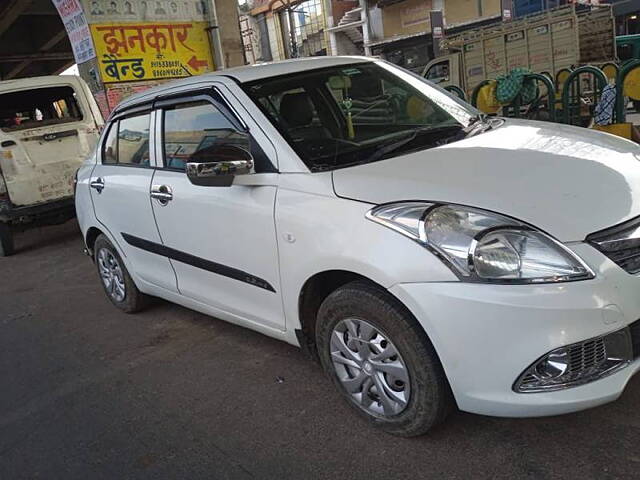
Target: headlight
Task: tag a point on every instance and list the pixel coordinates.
(483, 246)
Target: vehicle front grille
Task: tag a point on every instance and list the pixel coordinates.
(621, 244)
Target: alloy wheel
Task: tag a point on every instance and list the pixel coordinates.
(370, 368)
(111, 274)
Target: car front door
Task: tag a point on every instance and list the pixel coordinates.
(120, 189)
(221, 239)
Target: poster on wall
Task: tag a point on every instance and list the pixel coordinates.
(75, 23)
(143, 11)
(151, 50)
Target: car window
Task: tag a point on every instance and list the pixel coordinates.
(38, 108)
(293, 108)
(372, 103)
(133, 140)
(191, 129)
(194, 130)
(341, 116)
(110, 147)
(439, 72)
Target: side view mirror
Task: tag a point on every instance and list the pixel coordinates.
(221, 163)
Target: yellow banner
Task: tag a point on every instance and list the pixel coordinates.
(151, 51)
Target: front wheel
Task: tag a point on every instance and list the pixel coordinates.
(381, 361)
(6, 240)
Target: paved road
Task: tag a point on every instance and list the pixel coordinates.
(89, 392)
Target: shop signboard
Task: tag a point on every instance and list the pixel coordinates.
(151, 50)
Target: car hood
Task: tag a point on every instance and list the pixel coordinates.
(567, 181)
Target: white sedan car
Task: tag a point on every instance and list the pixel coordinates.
(429, 256)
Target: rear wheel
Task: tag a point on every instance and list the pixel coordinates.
(381, 361)
(116, 281)
(6, 240)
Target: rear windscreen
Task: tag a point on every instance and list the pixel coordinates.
(39, 107)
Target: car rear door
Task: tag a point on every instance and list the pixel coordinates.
(221, 240)
(120, 188)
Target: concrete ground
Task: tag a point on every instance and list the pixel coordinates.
(89, 392)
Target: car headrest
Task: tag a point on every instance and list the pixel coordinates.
(296, 109)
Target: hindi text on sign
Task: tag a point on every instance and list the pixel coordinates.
(151, 51)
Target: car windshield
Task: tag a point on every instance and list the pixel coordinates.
(359, 113)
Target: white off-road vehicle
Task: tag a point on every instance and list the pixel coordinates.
(48, 126)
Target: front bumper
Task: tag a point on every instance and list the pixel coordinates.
(487, 335)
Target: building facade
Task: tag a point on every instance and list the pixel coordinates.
(281, 29)
(401, 31)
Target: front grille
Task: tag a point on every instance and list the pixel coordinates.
(621, 244)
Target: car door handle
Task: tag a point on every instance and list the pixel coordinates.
(98, 184)
(162, 193)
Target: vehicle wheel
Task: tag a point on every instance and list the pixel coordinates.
(381, 360)
(116, 280)
(6, 240)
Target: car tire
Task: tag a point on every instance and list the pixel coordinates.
(115, 278)
(6, 240)
(427, 401)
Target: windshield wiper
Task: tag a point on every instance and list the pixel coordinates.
(477, 124)
(390, 147)
(480, 118)
(481, 123)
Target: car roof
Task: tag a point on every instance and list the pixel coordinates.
(245, 74)
(259, 71)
